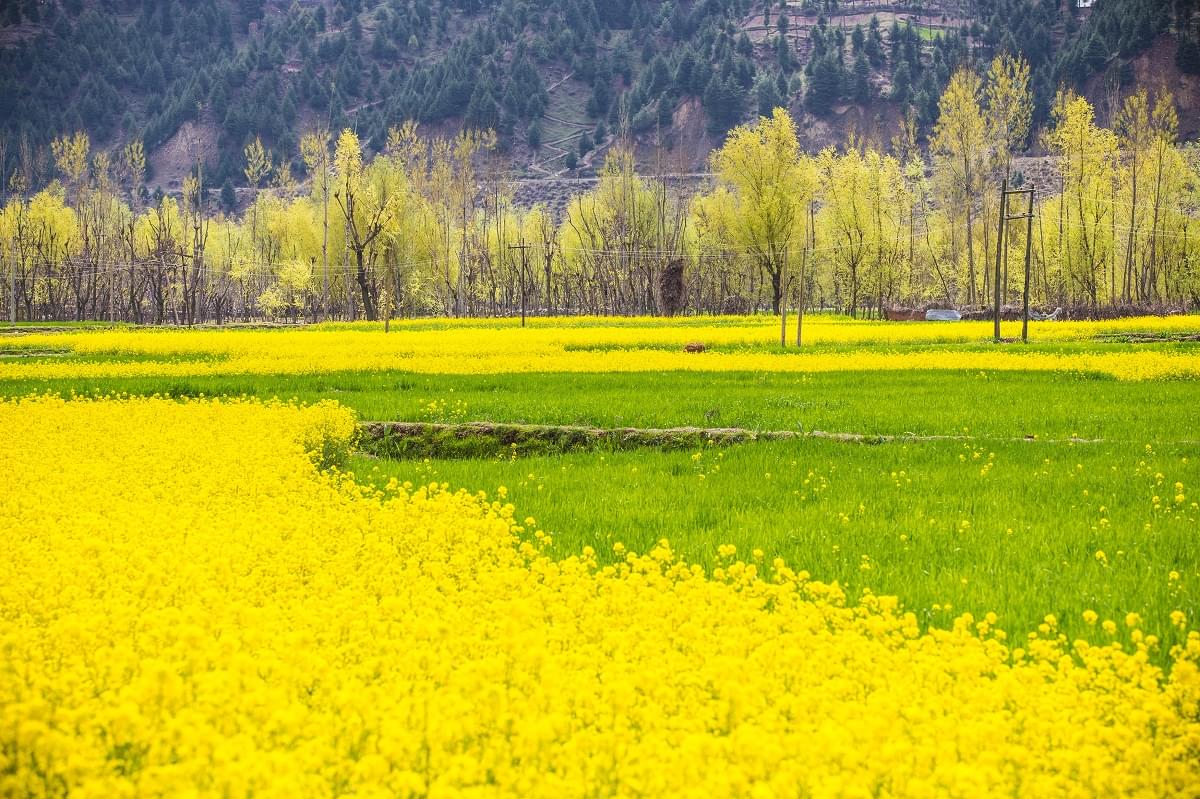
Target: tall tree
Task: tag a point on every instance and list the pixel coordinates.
(1147, 135)
(760, 166)
(1009, 116)
(1087, 157)
(1136, 136)
(368, 205)
(1009, 107)
(259, 163)
(314, 149)
(960, 150)
(134, 164)
(71, 158)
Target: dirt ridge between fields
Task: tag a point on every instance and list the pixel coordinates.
(406, 440)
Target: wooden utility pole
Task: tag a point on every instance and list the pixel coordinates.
(325, 137)
(810, 246)
(999, 256)
(1028, 259)
(523, 247)
(12, 284)
(325, 309)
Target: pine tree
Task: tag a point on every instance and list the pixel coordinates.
(228, 195)
(483, 113)
(825, 85)
(1095, 54)
(659, 76)
(862, 82)
(768, 95)
(744, 46)
(683, 71)
(901, 83)
(783, 53)
(722, 100)
(874, 44)
(1187, 55)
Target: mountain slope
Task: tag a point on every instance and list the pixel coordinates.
(197, 81)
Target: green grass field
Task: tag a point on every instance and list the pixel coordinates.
(1000, 405)
(1019, 528)
(1055, 493)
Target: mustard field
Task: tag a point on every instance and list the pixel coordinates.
(591, 345)
(974, 570)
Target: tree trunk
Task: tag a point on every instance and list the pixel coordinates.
(776, 287)
(364, 286)
(970, 256)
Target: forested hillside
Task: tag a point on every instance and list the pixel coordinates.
(196, 82)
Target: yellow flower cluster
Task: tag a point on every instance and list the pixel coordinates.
(188, 607)
(638, 346)
(823, 329)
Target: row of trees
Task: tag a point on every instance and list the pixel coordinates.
(430, 226)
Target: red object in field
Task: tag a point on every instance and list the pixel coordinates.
(903, 315)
